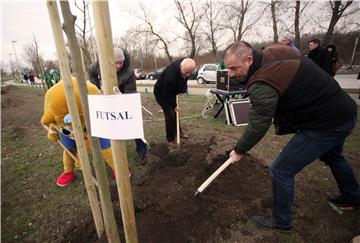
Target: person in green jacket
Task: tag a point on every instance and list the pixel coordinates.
(302, 99)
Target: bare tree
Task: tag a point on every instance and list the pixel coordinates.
(31, 56)
(189, 18)
(297, 23)
(213, 15)
(294, 10)
(82, 33)
(51, 64)
(337, 11)
(150, 29)
(237, 21)
(273, 5)
(34, 59)
(39, 63)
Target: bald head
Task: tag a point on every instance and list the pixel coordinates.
(187, 66)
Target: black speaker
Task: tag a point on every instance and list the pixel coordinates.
(224, 82)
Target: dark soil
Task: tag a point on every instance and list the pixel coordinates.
(34, 209)
(165, 205)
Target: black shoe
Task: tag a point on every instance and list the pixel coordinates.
(344, 203)
(267, 222)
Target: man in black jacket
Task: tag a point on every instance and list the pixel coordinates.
(320, 56)
(304, 100)
(172, 81)
(126, 84)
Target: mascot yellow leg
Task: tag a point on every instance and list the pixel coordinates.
(107, 155)
(68, 162)
(68, 175)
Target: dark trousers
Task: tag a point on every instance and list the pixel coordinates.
(305, 147)
(170, 118)
(141, 148)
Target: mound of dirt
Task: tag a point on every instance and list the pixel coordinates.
(165, 205)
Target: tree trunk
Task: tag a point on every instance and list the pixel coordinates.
(99, 164)
(74, 112)
(108, 74)
(274, 20)
(338, 8)
(296, 24)
(40, 66)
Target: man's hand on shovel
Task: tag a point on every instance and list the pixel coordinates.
(233, 158)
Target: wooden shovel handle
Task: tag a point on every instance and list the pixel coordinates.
(214, 175)
(177, 122)
(62, 145)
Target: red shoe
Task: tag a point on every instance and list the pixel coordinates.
(65, 179)
(113, 173)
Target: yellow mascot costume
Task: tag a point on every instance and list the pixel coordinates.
(55, 110)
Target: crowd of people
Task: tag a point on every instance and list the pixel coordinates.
(328, 58)
(297, 94)
(51, 77)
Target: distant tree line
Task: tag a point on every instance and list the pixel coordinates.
(202, 30)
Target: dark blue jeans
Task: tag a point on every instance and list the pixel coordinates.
(141, 148)
(305, 147)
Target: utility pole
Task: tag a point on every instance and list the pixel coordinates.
(11, 65)
(17, 60)
(353, 54)
(93, 46)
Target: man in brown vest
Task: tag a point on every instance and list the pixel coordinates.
(302, 99)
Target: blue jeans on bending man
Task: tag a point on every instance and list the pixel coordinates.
(305, 147)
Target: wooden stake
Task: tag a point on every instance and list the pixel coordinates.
(109, 80)
(99, 164)
(73, 109)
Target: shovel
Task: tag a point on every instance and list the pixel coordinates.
(212, 177)
(174, 151)
(177, 123)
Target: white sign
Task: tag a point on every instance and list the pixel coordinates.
(116, 116)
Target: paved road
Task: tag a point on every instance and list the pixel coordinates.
(346, 81)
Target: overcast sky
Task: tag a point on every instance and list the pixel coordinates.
(21, 19)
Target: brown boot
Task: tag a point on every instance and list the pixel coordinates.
(184, 136)
(172, 145)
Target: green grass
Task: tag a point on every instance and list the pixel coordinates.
(33, 207)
